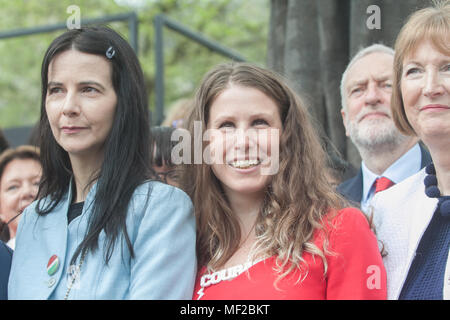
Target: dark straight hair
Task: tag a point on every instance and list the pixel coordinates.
(127, 152)
(162, 145)
(3, 142)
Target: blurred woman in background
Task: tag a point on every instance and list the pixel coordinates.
(161, 160)
(20, 174)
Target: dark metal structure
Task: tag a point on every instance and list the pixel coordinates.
(19, 135)
(161, 21)
(130, 17)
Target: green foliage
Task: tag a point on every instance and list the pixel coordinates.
(237, 24)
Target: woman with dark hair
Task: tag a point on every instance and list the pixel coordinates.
(268, 219)
(100, 229)
(161, 160)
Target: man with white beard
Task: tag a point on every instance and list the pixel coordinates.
(388, 157)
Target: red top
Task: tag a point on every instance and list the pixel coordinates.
(355, 270)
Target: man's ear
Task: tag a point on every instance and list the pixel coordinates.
(344, 120)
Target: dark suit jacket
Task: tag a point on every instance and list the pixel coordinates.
(5, 265)
(352, 188)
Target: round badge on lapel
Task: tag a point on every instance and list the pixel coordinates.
(53, 265)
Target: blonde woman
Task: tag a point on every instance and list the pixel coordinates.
(413, 218)
(271, 234)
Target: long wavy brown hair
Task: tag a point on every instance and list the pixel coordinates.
(298, 196)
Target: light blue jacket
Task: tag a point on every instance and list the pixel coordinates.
(163, 238)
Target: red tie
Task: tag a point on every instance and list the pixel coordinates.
(382, 183)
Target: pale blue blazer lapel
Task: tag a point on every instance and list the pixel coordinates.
(56, 240)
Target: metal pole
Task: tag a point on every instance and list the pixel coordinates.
(63, 25)
(133, 31)
(210, 44)
(159, 22)
(159, 77)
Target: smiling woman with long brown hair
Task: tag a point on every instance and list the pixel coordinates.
(273, 234)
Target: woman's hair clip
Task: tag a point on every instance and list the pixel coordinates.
(110, 52)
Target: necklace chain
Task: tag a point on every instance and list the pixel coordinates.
(73, 278)
(246, 238)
